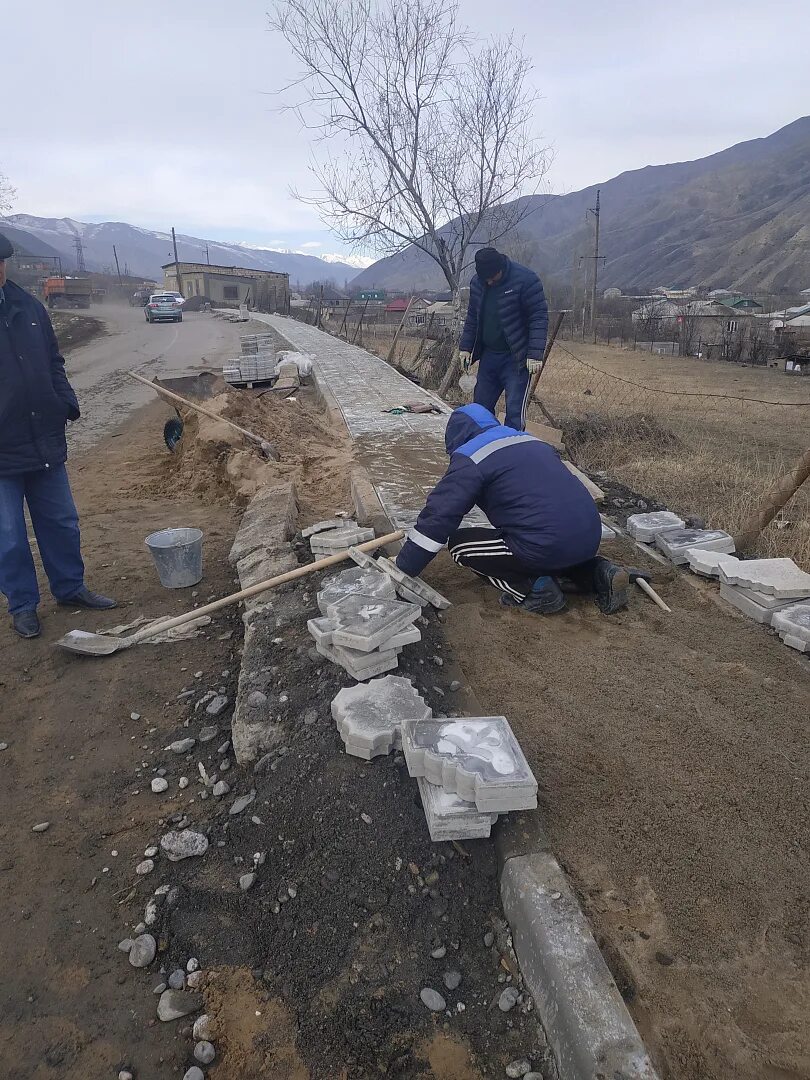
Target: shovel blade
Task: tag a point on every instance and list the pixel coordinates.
(81, 641)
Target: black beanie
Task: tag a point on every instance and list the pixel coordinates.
(488, 262)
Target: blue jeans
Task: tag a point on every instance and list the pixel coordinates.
(499, 372)
(56, 527)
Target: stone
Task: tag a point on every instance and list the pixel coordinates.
(151, 851)
(182, 746)
(143, 951)
(126, 1074)
(449, 817)
(183, 845)
(645, 527)
(489, 939)
(428, 594)
(432, 1000)
(224, 765)
(518, 1068)
(242, 803)
(477, 758)
(452, 979)
(439, 953)
(202, 1028)
(208, 733)
(744, 601)
(777, 577)
(220, 789)
(192, 964)
(365, 624)
(43, 826)
(676, 543)
(214, 707)
(125, 944)
(177, 979)
(195, 980)
(194, 1073)
(204, 1052)
(256, 700)
(183, 782)
(246, 881)
(146, 866)
(3, 746)
(174, 1004)
(707, 562)
(159, 784)
(508, 999)
(370, 715)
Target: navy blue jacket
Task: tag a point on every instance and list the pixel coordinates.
(522, 308)
(546, 515)
(36, 399)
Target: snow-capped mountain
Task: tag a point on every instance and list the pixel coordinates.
(142, 252)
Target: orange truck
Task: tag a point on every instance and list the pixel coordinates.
(67, 292)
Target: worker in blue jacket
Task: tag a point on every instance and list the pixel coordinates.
(36, 402)
(545, 523)
(504, 333)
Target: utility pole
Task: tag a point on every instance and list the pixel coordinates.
(596, 257)
(207, 256)
(77, 243)
(117, 267)
(177, 264)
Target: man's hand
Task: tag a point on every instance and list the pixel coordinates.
(465, 359)
(534, 366)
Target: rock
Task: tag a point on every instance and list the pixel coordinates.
(134, 716)
(489, 939)
(264, 764)
(664, 959)
(192, 964)
(195, 980)
(204, 1052)
(246, 881)
(159, 988)
(126, 1074)
(150, 913)
(518, 1068)
(194, 1073)
(145, 867)
(143, 951)
(182, 783)
(454, 686)
(202, 1028)
(126, 944)
(150, 852)
(3, 746)
(256, 699)
(159, 784)
(532, 1076)
(224, 765)
(183, 845)
(220, 788)
(439, 953)
(242, 803)
(695, 522)
(208, 733)
(182, 746)
(177, 979)
(508, 1000)
(225, 747)
(452, 979)
(216, 705)
(42, 827)
(176, 1003)
(432, 999)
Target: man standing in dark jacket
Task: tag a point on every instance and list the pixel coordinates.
(504, 333)
(545, 524)
(36, 401)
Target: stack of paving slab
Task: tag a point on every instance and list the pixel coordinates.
(646, 527)
(337, 534)
(250, 369)
(792, 624)
(763, 588)
(469, 770)
(669, 534)
(256, 343)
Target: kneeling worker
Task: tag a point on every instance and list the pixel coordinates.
(546, 524)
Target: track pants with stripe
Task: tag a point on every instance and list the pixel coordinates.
(499, 372)
(486, 553)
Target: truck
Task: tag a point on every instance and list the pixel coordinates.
(67, 292)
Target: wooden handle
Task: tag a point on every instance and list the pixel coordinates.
(193, 405)
(260, 587)
(653, 595)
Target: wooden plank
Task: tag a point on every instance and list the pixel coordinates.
(596, 492)
(551, 435)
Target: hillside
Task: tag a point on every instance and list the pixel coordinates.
(144, 252)
(739, 218)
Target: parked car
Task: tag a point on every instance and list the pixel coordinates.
(164, 307)
(140, 298)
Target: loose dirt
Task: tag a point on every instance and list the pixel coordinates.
(72, 330)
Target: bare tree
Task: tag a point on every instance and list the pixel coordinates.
(7, 195)
(688, 322)
(649, 320)
(434, 129)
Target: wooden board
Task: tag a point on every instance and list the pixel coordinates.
(594, 489)
(551, 435)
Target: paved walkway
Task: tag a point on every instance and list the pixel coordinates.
(403, 455)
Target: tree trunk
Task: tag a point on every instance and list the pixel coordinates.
(773, 502)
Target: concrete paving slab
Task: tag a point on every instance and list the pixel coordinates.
(676, 543)
(780, 577)
(794, 620)
(708, 563)
(645, 527)
(742, 600)
(366, 623)
(357, 579)
(413, 585)
(325, 526)
(381, 663)
(795, 643)
(449, 817)
(371, 715)
(476, 757)
(329, 543)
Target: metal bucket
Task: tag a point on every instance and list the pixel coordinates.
(178, 556)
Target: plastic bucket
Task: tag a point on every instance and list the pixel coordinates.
(178, 556)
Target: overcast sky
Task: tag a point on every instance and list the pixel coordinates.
(161, 114)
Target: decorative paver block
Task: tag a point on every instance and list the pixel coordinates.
(676, 543)
(328, 543)
(795, 642)
(708, 563)
(365, 623)
(370, 716)
(744, 602)
(331, 523)
(368, 582)
(321, 631)
(379, 663)
(477, 758)
(794, 620)
(646, 527)
(414, 585)
(451, 818)
(779, 577)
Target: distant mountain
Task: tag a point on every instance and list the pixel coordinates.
(143, 252)
(738, 219)
(25, 242)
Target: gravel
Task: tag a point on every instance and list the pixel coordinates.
(432, 999)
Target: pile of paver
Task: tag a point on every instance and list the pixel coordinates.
(469, 769)
(336, 534)
(774, 592)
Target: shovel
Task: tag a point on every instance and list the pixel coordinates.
(80, 641)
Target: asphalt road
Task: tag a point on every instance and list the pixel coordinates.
(98, 370)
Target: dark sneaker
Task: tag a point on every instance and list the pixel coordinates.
(86, 599)
(546, 598)
(26, 624)
(610, 583)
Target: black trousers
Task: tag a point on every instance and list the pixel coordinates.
(486, 553)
